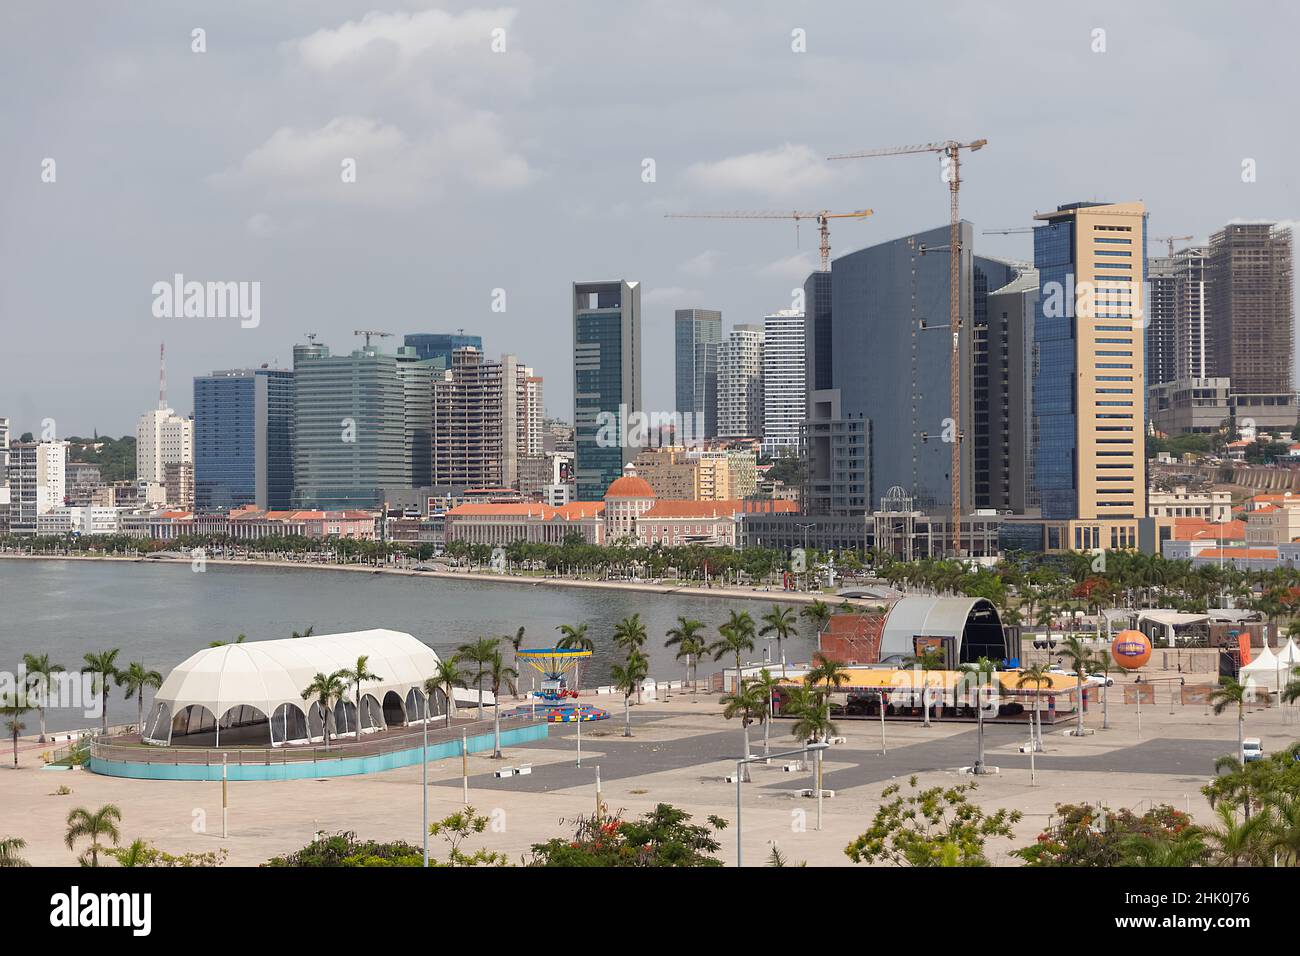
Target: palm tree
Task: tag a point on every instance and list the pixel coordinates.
(240, 639)
(630, 635)
(1080, 658)
(779, 621)
(11, 709)
(446, 678)
(574, 637)
(327, 689)
(102, 823)
(38, 665)
(1290, 693)
(928, 660)
(686, 636)
(1038, 675)
(746, 704)
(104, 665)
(736, 637)
(1185, 849)
(479, 653)
(516, 644)
(983, 670)
(826, 671)
(1238, 843)
(818, 613)
(135, 679)
(356, 677)
(9, 847)
(1102, 664)
(1229, 693)
(311, 629)
(812, 713)
(498, 673)
(766, 685)
(627, 677)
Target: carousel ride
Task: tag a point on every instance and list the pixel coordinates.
(555, 701)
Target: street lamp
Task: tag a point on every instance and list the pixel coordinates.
(815, 748)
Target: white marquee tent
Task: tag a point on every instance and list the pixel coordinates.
(252, 692)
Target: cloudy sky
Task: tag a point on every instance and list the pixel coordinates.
(522, 169)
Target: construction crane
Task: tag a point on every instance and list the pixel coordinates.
(369, 333)
(822, 216)
(951, 151)
(1171, 240)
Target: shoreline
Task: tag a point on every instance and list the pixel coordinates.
(776, 597)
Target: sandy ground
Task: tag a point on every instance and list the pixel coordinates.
(681, 751)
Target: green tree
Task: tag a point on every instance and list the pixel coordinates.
(688, 638)
(11, 710)
(83, 824)
(766, 685)
(1038, 675)
(746, 704)
(356, 677)
(479, 653)
(455, 829)
(104, 666)
(818, 614)
(136, 678)
(327, 689)
(9, 852)
(238, 640)
(39, 666)
(498, 673)
(937, 826)
(664, 837)
(574, 638)
(1232, 694)
(630, 635)
(735, 637)
(627, 677)
(1080, 659)
(446, 678)
(781, 622)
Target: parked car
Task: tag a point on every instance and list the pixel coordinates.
(1251, 749)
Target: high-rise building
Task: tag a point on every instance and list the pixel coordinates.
(1252, 318)
(740, 383)
(4, 475)
(1003, 394)
(161, 437)
(1192, 344)
(785, 382)
(818, 332)
(417, 377)
(891, 365)
(1162, 320)
(606, 380)
(36, 482)
(469, 428)
(1088, 387)
(243, 439)
(349, 429)
(437, 347)
(698, 336)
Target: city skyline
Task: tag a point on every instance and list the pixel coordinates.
(245, 198)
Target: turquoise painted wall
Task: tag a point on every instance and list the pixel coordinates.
(314, 769)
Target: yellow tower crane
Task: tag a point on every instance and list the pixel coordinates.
(951, 152)
(822, 217)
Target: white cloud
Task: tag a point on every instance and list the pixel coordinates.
(794, 267)
(404, 36)
(786, 169)
(307, 164)
(703, 265)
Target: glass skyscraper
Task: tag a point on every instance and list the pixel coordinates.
(1089, 392)
(243, 439)
(606, 381)
(698, 334)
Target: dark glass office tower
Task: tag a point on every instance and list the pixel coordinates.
(243, 439)
(606, 380)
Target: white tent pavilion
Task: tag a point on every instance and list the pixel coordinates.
(251, 693)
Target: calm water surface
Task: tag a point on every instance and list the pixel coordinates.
(161, 613)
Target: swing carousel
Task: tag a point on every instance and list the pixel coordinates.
(554, 701)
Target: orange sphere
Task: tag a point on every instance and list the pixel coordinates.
(1130, 649)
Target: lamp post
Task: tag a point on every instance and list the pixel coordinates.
(816, 748)
(424, 781)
